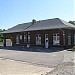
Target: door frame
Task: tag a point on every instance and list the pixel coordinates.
(46, 41)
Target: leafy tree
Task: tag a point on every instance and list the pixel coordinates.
(1, 30)
(1, 36)
(4, 30)
(72, 22)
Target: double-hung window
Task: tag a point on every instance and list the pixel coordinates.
(69, 39)
(38, 39)
(25, 38)
(17, 39)
(74, 38)
(28, 37)
(56, 39)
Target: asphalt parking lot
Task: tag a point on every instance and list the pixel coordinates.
(37, 58)
(57, 60)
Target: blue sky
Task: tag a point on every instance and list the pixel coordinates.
(13, 12)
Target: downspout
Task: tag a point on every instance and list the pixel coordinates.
(63, 35)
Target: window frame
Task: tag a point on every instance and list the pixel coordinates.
(69, 38)
(38, 39)
(17, 39)
(56, 38)
(74, 38)
(20, 37)
(25, 38)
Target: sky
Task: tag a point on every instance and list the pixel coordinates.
(14, 12)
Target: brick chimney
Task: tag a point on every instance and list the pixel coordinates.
(33, 21)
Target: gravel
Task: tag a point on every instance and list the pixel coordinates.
(67, 67)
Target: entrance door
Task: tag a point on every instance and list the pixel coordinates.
(46, 41)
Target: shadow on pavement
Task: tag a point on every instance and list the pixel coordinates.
(33, 49)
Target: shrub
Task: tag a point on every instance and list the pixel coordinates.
(73, 47)
(1, 40)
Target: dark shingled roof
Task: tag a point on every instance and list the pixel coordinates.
(18, 28)
(50, 24)
(40, 25)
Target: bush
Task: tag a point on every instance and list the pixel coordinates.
(73, 47)
(1, 40)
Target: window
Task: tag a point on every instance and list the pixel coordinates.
(38, 39)
(74, 38)
(25, 38)
(28, 32)
(28, 38)
(46, 41)
(46, 35)
(20, 37)
(69, 39)
(17, 39)
(56, 39)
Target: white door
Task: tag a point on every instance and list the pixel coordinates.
(46, 41)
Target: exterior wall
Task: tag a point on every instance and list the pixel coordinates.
(72, 32)
(50, 36)
(13, 36)
(21, 41)
(43, 32)
(33, 37)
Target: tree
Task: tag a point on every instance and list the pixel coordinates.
(72, 22)
(1, 30)
(1, 36)
(4, 30)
